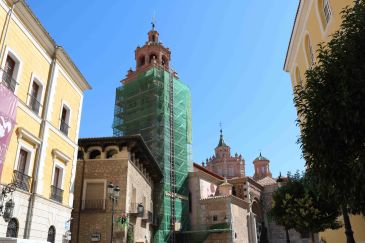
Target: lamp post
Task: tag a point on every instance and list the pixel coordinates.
(280, 184)
(113, 193)
(7, 210)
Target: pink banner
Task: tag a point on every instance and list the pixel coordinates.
(8, 104)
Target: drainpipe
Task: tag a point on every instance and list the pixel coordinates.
(6, 26)
(34, 185)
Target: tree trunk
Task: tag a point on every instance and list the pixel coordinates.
(348, 230)
(312, 234)
(287, 236)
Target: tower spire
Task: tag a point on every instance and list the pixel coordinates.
(221, 139)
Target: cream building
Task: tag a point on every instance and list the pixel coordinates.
(41, 156)
(314, 23)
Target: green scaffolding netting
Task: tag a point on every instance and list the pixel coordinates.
(142, 107)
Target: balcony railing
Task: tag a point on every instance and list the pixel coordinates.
(94, 204)
(21, 180)
(7, 80)
(64, 127)
(34, 104)
(56, 194)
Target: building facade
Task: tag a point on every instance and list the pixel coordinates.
(125, 162)
(41, 157)
(314, 23)
(154, 102)
(228, 206)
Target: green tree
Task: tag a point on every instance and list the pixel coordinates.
(331, 115)
(297, 205)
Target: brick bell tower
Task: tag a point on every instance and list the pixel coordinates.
(154, 102)
(152, 52)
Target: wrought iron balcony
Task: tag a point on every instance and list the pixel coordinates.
(21, 180)
(56, 194)
(34, 104)
(94, 204)
(64, 127)
(7, 80)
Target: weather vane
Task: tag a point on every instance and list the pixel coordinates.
(153, 20)
(220, 125)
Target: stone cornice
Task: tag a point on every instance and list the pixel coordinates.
(24, 133)
(34, 26)
(56, 153)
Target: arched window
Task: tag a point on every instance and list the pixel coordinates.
(153, 57)
(111, 153)
(325, 12)
(298, 78)
(13, 227)
(51, 234)
(164, 61)
(141, 61)
(308, 50)
(95, 154)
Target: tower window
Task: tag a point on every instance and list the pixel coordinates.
(153, 57)
(142, 61)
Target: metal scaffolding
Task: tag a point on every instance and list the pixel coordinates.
(156, 104)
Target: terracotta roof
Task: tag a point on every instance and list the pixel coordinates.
(199, 167)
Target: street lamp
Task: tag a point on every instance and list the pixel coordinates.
(7, 211)
(140, 209)
(113, 193)
(280, 184)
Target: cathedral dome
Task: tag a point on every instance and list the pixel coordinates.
(261, 158)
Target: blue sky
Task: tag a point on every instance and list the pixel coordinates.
(230, 53)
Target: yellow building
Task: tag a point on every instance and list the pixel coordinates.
(315, 21)
(41, 156)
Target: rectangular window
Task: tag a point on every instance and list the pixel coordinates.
(34, 103)
(20, 177)
(215, 218)
(56, 191)
(327, 10)
(8, 74)
(65, 114)
(57, 179)
(94, 196)
(22, 162)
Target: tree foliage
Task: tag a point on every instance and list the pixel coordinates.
(331, 109)
(297, 205)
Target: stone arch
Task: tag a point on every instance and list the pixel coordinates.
(95, 154)
(153, 56)
(51, 237)
(165, 61)
(110, 153)
(141, 60)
